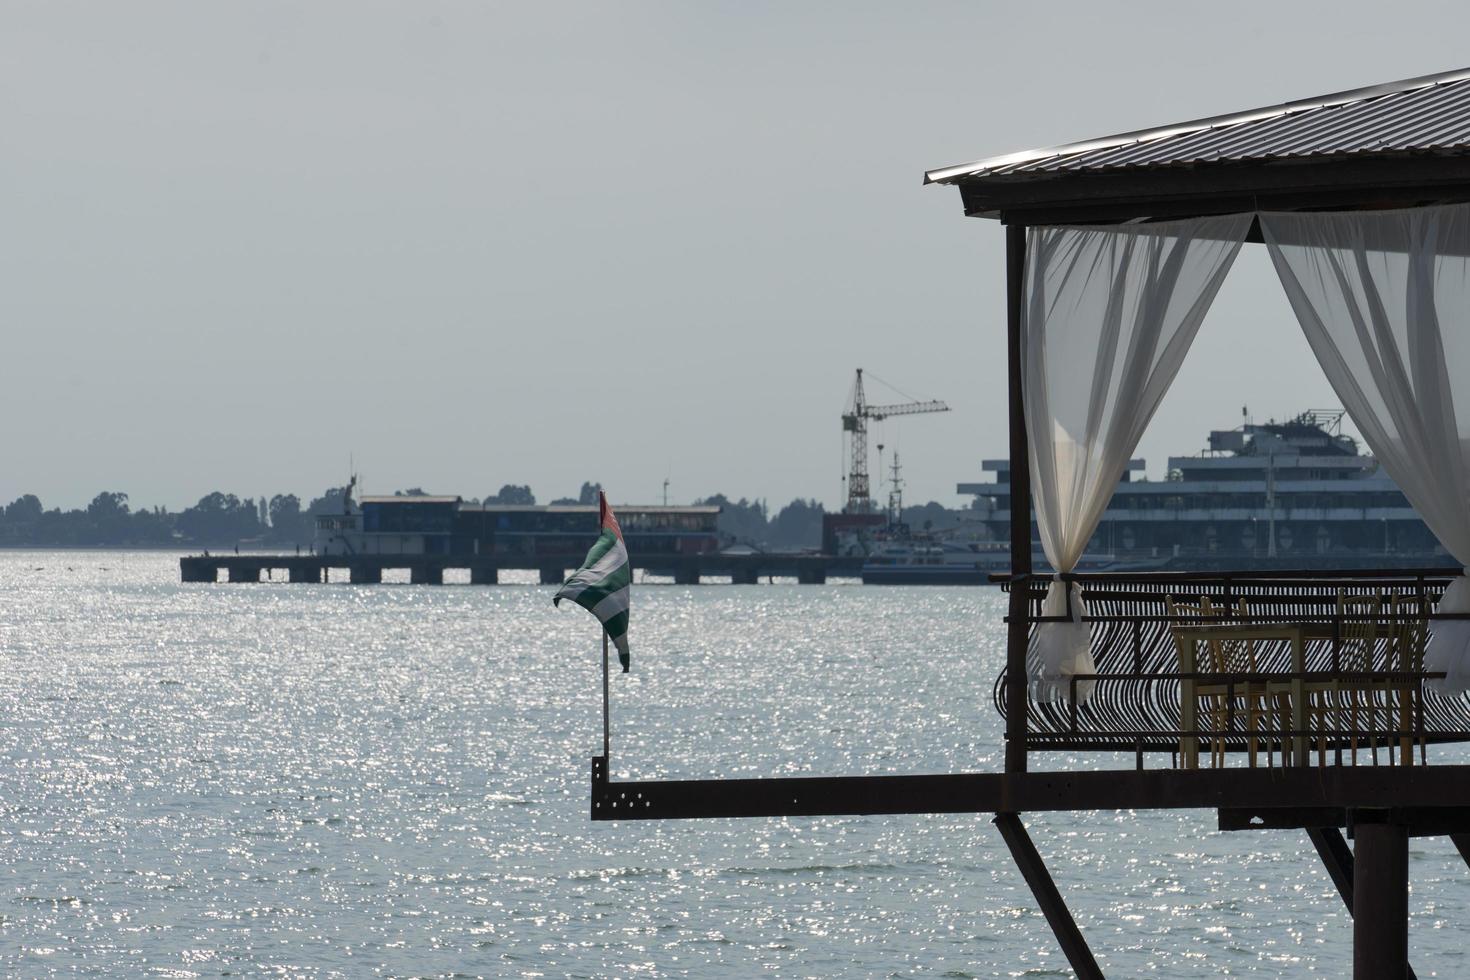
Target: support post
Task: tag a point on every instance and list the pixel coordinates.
(484, 575)
(606, 711)
(1337, 857)
(193, 569)
(1052, 906)
(1018, 635)
(1380, 898)
(599, 786)
(553, 576)
(364, 574)
(423, 573)
(811, 571)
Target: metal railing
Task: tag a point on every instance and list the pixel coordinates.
(1137, 686)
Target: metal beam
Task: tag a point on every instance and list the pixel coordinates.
(1434, 789)
(1462, 844)
(1018, 634)
(1053, 906)
(1420, 821)
(1281, 818)
(1224, 188)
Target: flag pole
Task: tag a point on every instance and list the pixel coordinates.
(606, 728)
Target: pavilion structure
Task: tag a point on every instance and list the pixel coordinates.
(1257, 694)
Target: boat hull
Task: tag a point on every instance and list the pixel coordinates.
(925, 576)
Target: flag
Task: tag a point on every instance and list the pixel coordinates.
(601, 585)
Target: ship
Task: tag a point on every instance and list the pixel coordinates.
(923, 558)
(896, 554)
(1298, 493)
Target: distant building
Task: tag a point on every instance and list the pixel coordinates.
(850, 534)
(415, 525)
(1290, 490)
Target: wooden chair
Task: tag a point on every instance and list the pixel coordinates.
(1358, 639)
(1408, 633)
(1228, 656)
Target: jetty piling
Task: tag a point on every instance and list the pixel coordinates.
(740, 569)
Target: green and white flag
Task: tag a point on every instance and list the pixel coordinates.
(601, 585)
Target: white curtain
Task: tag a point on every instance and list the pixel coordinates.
(1384, 299)
(1110, 313)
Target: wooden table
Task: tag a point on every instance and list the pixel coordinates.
(1296, 634)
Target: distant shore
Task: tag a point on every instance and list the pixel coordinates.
(186, 549)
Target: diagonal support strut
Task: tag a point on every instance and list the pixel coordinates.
(1052, 905)
(1462, 844)
(1337, 858)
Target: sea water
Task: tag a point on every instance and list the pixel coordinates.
(342, 781)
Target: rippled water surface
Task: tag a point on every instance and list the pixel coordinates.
(335, 780)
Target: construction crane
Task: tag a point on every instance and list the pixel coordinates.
(855, 422)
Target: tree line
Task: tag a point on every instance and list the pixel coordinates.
(223, 520)
(217, 519)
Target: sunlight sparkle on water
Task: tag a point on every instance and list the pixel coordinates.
(334, 780)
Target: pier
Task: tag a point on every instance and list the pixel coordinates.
(1285, 700)
(740, 569)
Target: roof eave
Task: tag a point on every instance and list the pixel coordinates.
(953, 174)
(1383, 180)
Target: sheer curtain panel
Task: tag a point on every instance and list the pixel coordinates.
(1384, 300)
(1110, 313)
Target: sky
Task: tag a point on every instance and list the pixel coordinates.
(244, 246)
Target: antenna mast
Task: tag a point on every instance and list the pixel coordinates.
(895, 495)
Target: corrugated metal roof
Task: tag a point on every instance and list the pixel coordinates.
(1429, 114)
